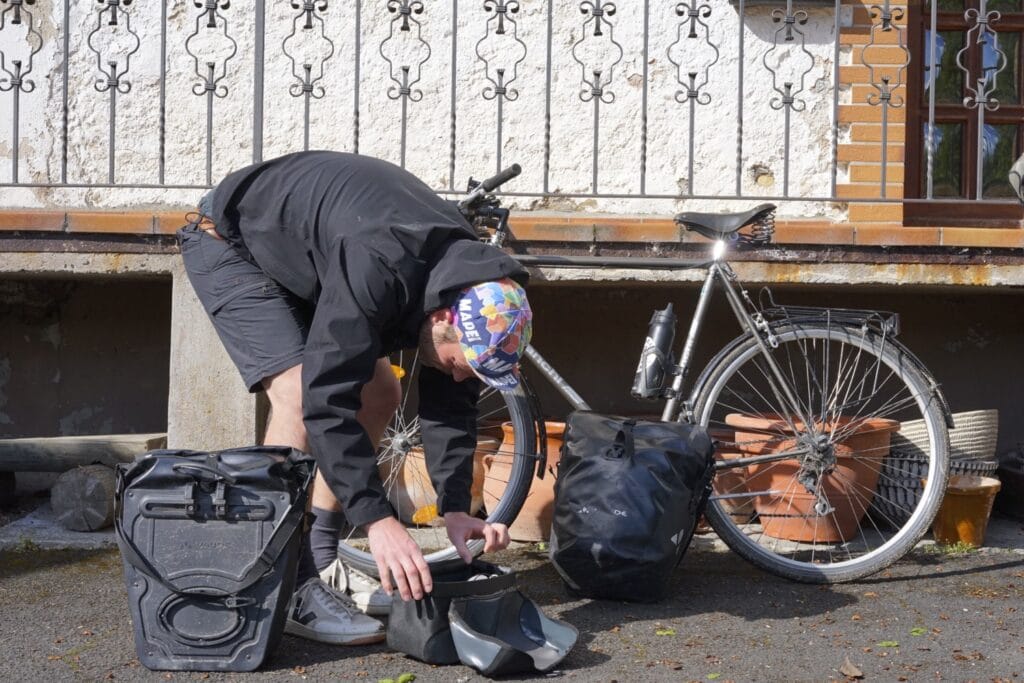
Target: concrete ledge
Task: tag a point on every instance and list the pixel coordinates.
(752, 267)
(849, 274)
(64, 264)
(40, 529)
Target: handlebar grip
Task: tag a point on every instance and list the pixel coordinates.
(501, 177)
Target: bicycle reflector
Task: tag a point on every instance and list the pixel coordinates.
(656, 357)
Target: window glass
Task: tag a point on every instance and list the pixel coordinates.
(1005, 5)
(950, 6)
(946, 161)
(1008, 77)
(946, 74)
(1000, 143)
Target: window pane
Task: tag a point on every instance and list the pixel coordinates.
(1007, 79)
(947, 143)
(947, 75)
(951, 6)
(1004, 5)
(999, 146)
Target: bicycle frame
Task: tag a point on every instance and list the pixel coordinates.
(753, 324)
(718, 270)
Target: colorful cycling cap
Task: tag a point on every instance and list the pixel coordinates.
(494, 324)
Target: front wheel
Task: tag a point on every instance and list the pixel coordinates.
(502, 469)
(839, 485)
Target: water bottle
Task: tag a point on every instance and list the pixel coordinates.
(656, 358)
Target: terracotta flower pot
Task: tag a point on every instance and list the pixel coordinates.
(731, 481)
(490, 428)
(412, 490)
(788, 512)
(533, 524)
(963, 515)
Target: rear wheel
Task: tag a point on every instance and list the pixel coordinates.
(502, 468)
(850, 478)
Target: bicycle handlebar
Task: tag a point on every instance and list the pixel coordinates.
(481, 189)
(501, 177)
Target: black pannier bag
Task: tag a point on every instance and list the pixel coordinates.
(627, 500)
(210, 543)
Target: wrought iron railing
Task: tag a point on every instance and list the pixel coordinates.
(641, 100)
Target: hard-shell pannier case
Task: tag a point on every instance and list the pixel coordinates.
(476, 615)
(210, 543)
(420, 628)
(627, 499)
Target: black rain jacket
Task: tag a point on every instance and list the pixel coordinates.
(374, 250)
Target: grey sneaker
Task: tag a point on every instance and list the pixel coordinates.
(320, 614)
(364, 590)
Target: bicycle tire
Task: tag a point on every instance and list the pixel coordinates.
(410, 492)
(827, 366)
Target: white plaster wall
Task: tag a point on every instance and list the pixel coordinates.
(716, 127)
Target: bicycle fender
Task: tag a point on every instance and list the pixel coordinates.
(936, 389)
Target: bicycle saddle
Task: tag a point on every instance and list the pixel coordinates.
(718, 225)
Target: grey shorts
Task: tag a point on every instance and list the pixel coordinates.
(262, 325)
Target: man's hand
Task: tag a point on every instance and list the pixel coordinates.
(398, 556)
(461, 528)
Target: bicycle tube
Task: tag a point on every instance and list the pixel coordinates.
(506, 477)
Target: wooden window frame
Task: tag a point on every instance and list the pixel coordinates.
(964, 211)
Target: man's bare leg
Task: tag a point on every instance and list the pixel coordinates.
(380, 398)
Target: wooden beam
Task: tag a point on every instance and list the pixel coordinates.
(62, 453)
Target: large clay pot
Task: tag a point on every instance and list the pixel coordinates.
(788, 512)
(533, 523)
(412, 490)
(731, 481)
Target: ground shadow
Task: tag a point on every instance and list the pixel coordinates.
(705, 583)
(29, 559)
(944, 565)
(294, 652)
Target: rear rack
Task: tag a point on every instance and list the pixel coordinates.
(882, 322)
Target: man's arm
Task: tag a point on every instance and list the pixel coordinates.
(341, 353)
(448, 416)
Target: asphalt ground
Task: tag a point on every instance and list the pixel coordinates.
(935, 615)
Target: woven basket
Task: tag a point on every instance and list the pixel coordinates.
(899, 488)
(973, 437)
(972, 449)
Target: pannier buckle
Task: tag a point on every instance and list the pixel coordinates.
(219, 503)
(190, 499)
(236, 601)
